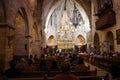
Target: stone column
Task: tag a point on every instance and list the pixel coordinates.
(35, 46)
(6, 50)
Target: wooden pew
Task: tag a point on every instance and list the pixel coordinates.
(106, 77)
(33, 74)
(54, 73)
(86, 73)
(104, 62)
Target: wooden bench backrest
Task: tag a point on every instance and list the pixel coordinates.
(52, 78)
(54, 73)
(86, 73)
(33, 74)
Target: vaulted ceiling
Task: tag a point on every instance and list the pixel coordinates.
(43, 7)
(51, 15)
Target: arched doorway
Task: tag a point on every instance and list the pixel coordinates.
(21, 34)
(80, 44)
(51, 41)
(2, 12)
(96, 43)
(51, 44)
(109, 42)
(81, 40)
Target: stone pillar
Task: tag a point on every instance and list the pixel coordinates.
(35, 46)
(6, 50)
(28, 45)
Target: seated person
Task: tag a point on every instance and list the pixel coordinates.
(65, 74)
(21, 63)
(12, 72)
(30, 67)
(115, 71)
(36, 60)
(43, 66)
(54, 66)
(81, 66)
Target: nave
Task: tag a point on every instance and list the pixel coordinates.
(85, 71)
(89, 28)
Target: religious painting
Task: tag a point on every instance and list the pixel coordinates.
(118, 36)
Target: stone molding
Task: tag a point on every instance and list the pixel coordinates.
(6, 25)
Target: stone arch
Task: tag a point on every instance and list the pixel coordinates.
(2, 11)
(23, 13)
(96, 42)
(109, 42)
(80, 45)
(51, 41)
(80, 9)
(20, 47)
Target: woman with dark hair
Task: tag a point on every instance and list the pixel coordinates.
(30, 66)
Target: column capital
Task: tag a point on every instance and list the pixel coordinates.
(3, 25)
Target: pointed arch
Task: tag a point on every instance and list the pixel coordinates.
(2, 12)
(109, 42)
(20, 47)
(51, 41)
(80, 40)
(23, 14)
(96, 42)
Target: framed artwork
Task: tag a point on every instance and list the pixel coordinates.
(118, 36)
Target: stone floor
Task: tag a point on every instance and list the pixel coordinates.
(100, 72)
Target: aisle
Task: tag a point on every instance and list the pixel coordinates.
(100, 72)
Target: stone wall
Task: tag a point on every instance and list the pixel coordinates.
(9, 12)
(103, 33)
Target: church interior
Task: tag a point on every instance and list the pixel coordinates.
(61, 31)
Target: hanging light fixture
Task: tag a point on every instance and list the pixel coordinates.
(65, 6)
(65, 14)
(77, 19)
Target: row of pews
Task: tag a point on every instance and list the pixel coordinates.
(104, 63)
(106, 77)
(49, 75)
(43, 75)
(54, 73)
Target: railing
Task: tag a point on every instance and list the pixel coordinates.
(106, 21)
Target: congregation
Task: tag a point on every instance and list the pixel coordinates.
(65, 66)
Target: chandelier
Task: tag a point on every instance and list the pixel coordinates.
(73, 19)
(77, 19)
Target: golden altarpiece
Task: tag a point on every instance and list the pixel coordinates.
(65, 37)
